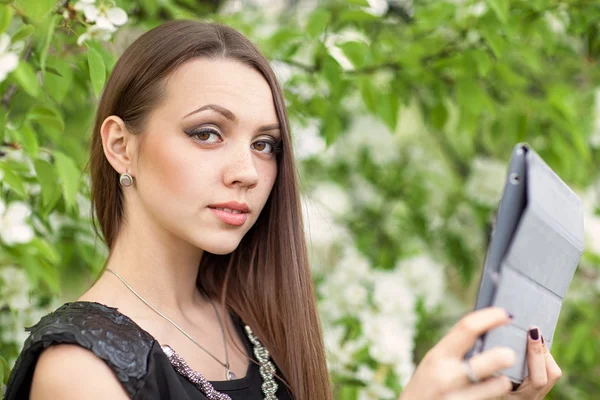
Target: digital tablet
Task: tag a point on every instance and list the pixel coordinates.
(535, 247)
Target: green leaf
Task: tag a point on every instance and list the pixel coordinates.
(496, 43)
(35, 9)
(69, 177)
(47, 117)
(29, 139)
(334, 74)
(13, 181)
(469, 95)
(26, 78)
(368, 93)
(151, 7)
(48, 32)
(47, 180)
(97, 70)
(317, 22)
(45, 250)
(23, 32)
(4, 370)
(438, 115)
(2, 123)
(362, 3)
(58, 78)
(332, 127)
(500, 8)
(357, 52)
(482, 62)
(6, 14)
(387, 109)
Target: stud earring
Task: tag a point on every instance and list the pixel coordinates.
(125, 179)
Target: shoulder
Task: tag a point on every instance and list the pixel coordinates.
(68, 371)
(95, 334)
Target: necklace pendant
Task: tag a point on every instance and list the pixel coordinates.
(230, 375)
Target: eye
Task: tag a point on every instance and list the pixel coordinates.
(206, 135)
(266, 146)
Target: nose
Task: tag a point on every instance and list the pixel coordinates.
(241, 168)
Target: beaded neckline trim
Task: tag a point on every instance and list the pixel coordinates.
(267, 370)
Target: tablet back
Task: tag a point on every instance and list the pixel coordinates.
(528, 270)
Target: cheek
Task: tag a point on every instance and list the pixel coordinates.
(170, 172)
(269, 175)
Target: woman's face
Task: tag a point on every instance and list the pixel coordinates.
(210, 142)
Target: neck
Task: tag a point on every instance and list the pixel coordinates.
(159, 266)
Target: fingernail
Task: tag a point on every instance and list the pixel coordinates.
(510, 315)
(534, 333)
(542, 339)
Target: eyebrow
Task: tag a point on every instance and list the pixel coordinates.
(215, 107)
(230, 116)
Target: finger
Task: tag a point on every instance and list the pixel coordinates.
(464, 334)
(553, 371)
(491, 361)
(536, 360)
(493, 387)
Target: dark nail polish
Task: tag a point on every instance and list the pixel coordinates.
(534, 333)
(510, 315)
(542, 339)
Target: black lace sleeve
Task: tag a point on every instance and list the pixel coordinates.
(112, 336)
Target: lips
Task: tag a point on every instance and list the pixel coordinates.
(232, 213)
(231, 206)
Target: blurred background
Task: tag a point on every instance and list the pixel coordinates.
(404, 114)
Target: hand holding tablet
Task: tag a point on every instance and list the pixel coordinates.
(535, 248)
(536, 245)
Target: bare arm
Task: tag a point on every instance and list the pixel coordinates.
(71, 372)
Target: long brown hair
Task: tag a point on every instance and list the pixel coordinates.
(266, 280)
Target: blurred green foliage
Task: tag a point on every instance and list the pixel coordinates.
(470, 78)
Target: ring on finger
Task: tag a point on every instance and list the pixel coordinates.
(471, 376)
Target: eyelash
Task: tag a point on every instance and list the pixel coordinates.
(276, 145)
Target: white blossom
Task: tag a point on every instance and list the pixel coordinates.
(15, 321)
(282, 71)
(377, 7)
(340, 353)
(594, 138)
(390, 338)
(425, 277)
(345, 289)
(486, 182)
(558, 20)
(103, 17)
(367, 132)
(307, 140)
(365, 194)
(591, 221)
(14, 228)
(8, 59)
(477, 9)
(393, 296)
(376, 391)
(14, 288)
(320, 226)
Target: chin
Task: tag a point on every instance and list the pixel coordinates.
(222, 247)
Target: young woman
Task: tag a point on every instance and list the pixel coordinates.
(207, 292)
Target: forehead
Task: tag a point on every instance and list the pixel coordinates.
(228, 83)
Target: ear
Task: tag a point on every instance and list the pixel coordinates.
(119, 144)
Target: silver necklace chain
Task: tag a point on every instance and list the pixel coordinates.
(228, 373)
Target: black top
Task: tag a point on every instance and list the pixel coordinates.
(132, 353)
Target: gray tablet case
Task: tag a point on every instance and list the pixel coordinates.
(535, 247)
